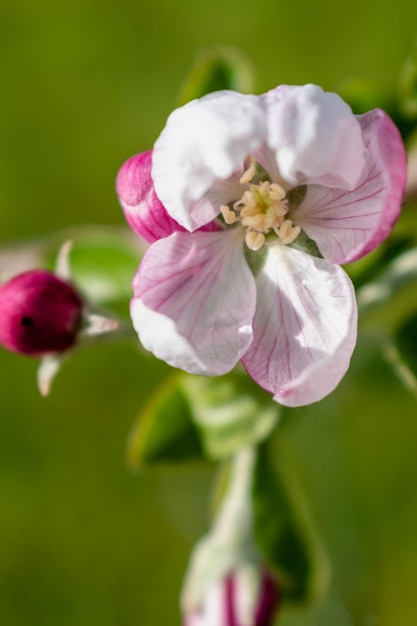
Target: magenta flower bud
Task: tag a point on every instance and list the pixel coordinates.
(39, 313)
(243, 598)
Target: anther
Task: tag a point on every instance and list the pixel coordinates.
(229, 216)
(249, 173)
(287, 232)
(254, 240)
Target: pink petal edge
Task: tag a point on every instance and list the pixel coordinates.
(387, 145)
(304, 327)
(194, 300)
(346, 225)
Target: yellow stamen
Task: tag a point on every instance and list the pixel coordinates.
(229, 216)
(254, 221)
(248, 211)
(254, 240)
(261, 209)
(249, 173)
(287, 232)
(276, 192)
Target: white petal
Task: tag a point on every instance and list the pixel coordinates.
(203, 142)
(213, 610)
(315, 137)
(195, 300)
(304, 327)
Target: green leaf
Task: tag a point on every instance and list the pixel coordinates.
(364, 94)
(401, 353)
(283, 530)
(222, 67)
(406, 340)
(190, 417)
(230, 412)
(399, 282)
(408, 86)
(103, 260)
(395, 326)
(164, 431)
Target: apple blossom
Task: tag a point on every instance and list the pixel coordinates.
(290, 185)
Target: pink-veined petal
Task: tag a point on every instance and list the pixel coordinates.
(304, 327)
(204, 141)
(348, 225)
(315, 136)
(195, 300)
(143, 210)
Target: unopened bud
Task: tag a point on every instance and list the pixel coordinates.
(246, 597)
(39, 313)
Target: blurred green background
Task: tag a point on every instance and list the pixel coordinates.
(84, 85)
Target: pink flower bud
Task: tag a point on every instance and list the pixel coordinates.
(39, 313)
(142, 207)
(232, 602)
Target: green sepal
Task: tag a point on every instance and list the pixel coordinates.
(256, 259)
(305, 244)
(295, 196)
(164, 431)
(283, 529)
(222, 67)
(230, 412)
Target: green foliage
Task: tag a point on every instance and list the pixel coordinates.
(401, 352)
(396, 326)
(284, 531)
(406, 340)
(364, 94)
(84, 86)
(191, 416)
(103, 262)
(398, 281)
(231, 412)
(164, 430)
(408, 86)
(223, 67)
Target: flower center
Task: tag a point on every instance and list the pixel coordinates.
(261, 209)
